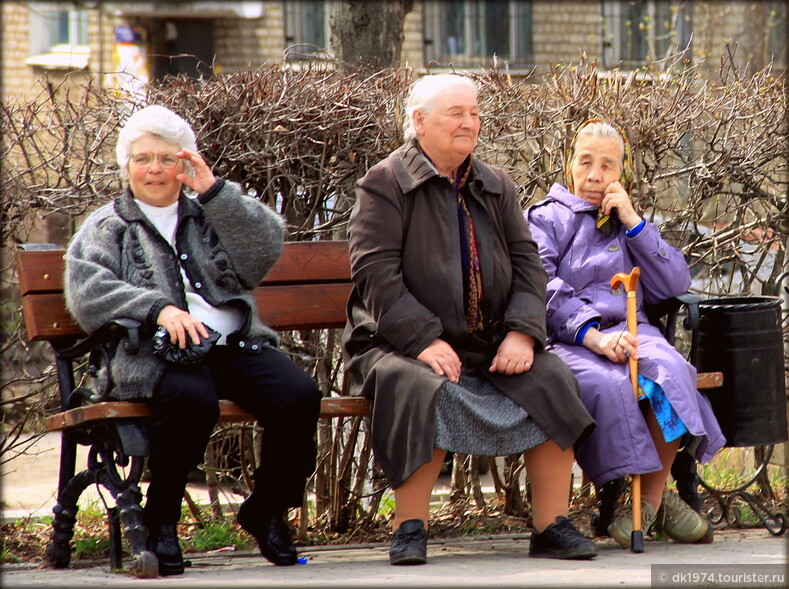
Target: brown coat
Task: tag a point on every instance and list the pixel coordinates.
(405, 261)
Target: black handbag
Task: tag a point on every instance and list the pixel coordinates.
(190, 355)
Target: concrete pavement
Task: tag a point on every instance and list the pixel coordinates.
(29, 482)
(499, 561)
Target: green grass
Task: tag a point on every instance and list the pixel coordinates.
(387, 505)
(724, 473)
(6, 553)
(90, 547)
(213, 536)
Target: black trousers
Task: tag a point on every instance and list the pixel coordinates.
(282, 397)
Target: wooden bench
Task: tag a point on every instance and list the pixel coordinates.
(306, 289)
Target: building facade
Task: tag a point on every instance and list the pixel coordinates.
(128, 44)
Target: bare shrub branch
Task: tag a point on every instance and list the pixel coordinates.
(711, 168)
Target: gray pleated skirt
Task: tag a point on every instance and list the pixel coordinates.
(474, 417)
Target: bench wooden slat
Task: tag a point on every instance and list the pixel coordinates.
(316, 271)
(311, 261)
(229, 412)
(709, 380)
(280, 307)
(46, 317)
(303, 306)
(40, 270)
(301, 261)
(96, 412)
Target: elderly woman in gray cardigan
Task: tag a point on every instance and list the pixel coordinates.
(184, 262)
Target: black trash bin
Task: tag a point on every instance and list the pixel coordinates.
(741, 337)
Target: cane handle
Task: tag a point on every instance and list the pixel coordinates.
(630, 281)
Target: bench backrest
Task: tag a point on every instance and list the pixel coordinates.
(306, 289)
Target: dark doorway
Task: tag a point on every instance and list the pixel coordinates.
(183, 46)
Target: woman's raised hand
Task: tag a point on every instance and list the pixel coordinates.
(203, 179)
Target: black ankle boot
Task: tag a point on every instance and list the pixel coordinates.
(409, 543)
(163, 542)
(270, 530)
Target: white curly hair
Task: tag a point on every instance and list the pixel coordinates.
(158, 121)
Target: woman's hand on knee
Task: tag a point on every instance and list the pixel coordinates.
(444, 361)
(617, 346)
(515, 354)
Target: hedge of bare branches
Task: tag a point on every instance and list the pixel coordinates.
(711, 168)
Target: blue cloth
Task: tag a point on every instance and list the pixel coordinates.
(579, 337)
(668, 420)
(637, 229)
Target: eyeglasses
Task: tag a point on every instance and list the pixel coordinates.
(166, 160)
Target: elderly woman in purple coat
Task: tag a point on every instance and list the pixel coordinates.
(586, 233)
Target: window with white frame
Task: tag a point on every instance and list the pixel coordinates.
(51, 25)
(306, 28)
(637, 31)
(58, 37)
(465, 33)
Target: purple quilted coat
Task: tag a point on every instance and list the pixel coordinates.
(580, 261)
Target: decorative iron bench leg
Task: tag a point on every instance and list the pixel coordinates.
(608, 495)
(103, 459)
(116, 547)
(683, 469)
(775, 523)
(726, 498)
(58, 553)
(144, 562)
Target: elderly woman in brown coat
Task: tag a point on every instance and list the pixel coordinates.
(446, 324)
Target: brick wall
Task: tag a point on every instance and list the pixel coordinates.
(242, 43)
(13, 28)
(413, 52)
(561, 30)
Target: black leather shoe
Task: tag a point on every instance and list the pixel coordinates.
(409, 543)
(271, 532)
(163, 541)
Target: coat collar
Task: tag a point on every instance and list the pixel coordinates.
(412, 169)
(128, 210)
(563, 196)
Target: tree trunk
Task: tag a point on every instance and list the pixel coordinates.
(368, 35)
(754, 47)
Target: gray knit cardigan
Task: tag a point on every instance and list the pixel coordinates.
(119, 266)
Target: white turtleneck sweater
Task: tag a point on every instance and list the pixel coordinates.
(225, 320)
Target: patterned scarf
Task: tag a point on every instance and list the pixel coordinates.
(472, 275)
(469, 255)
(604, 222)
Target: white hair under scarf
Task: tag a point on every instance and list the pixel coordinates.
(153, 120)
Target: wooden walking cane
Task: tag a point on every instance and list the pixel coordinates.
(630, 282)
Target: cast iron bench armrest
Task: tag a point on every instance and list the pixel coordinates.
(110, 331)
(670, 308)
